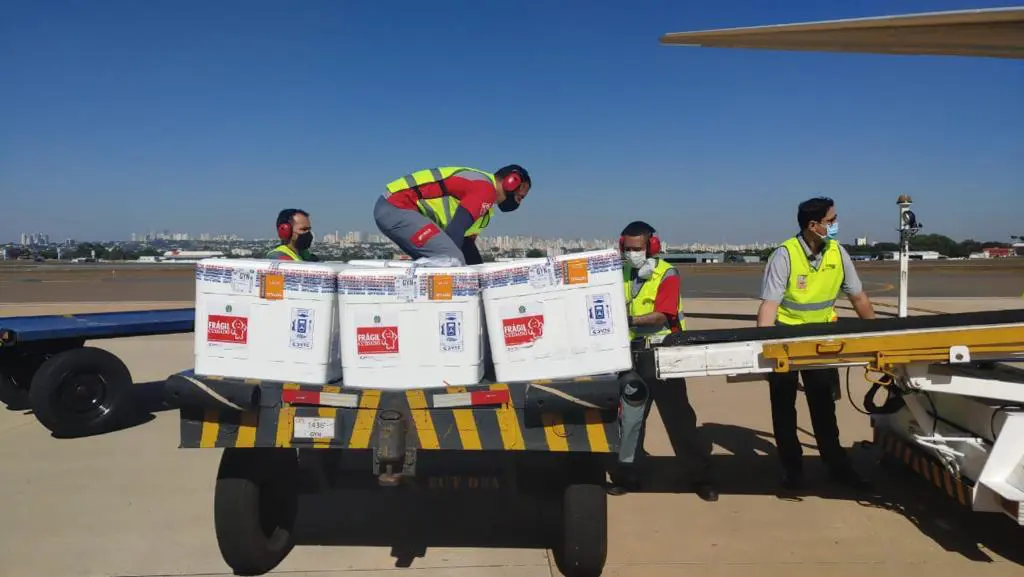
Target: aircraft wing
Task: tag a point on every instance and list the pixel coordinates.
(993, 32)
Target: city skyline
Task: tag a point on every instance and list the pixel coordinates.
(552, 245)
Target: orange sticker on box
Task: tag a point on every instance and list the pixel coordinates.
(272, 287)
(576, 271)
(441, 287)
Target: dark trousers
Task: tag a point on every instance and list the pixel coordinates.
(689, 446)
(818, 388)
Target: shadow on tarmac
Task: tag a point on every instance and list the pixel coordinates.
(752, 469)
(146, 399)
(410, 522)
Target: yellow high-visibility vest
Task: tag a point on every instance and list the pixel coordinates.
(286, 250)
(811, 294)
(642, 302)
(440, 210)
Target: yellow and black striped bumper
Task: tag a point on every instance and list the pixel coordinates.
(504, 427)
(927, 466)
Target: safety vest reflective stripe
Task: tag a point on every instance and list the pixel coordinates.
(811, 294)
(286, 250)
(641, 301)
(480, 223)
(795, 306)
(440, 210)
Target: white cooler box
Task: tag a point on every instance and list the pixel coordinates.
(271, 320)
(556, 317)
(410, 327)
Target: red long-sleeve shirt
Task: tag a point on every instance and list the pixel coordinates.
(667, 301)
(477, 196)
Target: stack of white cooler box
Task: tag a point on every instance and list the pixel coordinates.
(401, 325)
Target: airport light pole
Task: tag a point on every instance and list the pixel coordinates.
(907, 229)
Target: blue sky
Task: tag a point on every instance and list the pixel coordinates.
(121, 115)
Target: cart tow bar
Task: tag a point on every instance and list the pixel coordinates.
(391, 458)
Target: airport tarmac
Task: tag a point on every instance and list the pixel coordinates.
(928, 279)
(130, 503)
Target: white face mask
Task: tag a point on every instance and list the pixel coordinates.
(637, 258)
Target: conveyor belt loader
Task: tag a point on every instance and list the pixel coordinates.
(955, 406)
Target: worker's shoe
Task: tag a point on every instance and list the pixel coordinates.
(623, 480)
(792, 481)
(706, 491)
(849, 478)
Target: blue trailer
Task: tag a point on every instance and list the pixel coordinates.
(75, 390)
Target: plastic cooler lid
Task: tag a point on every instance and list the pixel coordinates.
(271, 279)
(410, 283)
(267, 264)
(381, 263)
(589, 254)
(507, 265)
(405, 270)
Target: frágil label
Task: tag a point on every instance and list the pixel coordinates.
(227, 329)
(521, 331)
(377, 340)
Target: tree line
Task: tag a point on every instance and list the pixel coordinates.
(84, 250)
(925, 242)
(939, 243)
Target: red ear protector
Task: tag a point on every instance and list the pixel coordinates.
(284, 231)
(653, 244)
(511, 181)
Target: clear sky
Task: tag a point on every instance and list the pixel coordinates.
(210, 116)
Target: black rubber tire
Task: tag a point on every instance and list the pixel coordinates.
(255, 504)
(582, 548)
(54, 378)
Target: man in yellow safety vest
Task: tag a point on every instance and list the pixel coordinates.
(802, 281)
(460, 201)
(654, 302)
(295, 231)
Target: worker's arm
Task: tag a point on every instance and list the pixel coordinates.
(655, 319)
(854, 289)
(773, 287)
(475, 198)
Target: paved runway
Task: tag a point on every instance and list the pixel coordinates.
(130, 503)
(65, 283)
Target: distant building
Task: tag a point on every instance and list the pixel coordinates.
(913, 255)
(178, 255)
(682, 257)
(860, 241)
(996, 252)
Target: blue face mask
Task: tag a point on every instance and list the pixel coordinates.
(832, 231)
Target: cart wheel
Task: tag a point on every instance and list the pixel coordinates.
(80, 392)
(582, 547)
(254, 508)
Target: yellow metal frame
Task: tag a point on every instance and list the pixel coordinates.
(882, 352)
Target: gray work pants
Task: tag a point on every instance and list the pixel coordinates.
(415, 234)
(680, 420)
